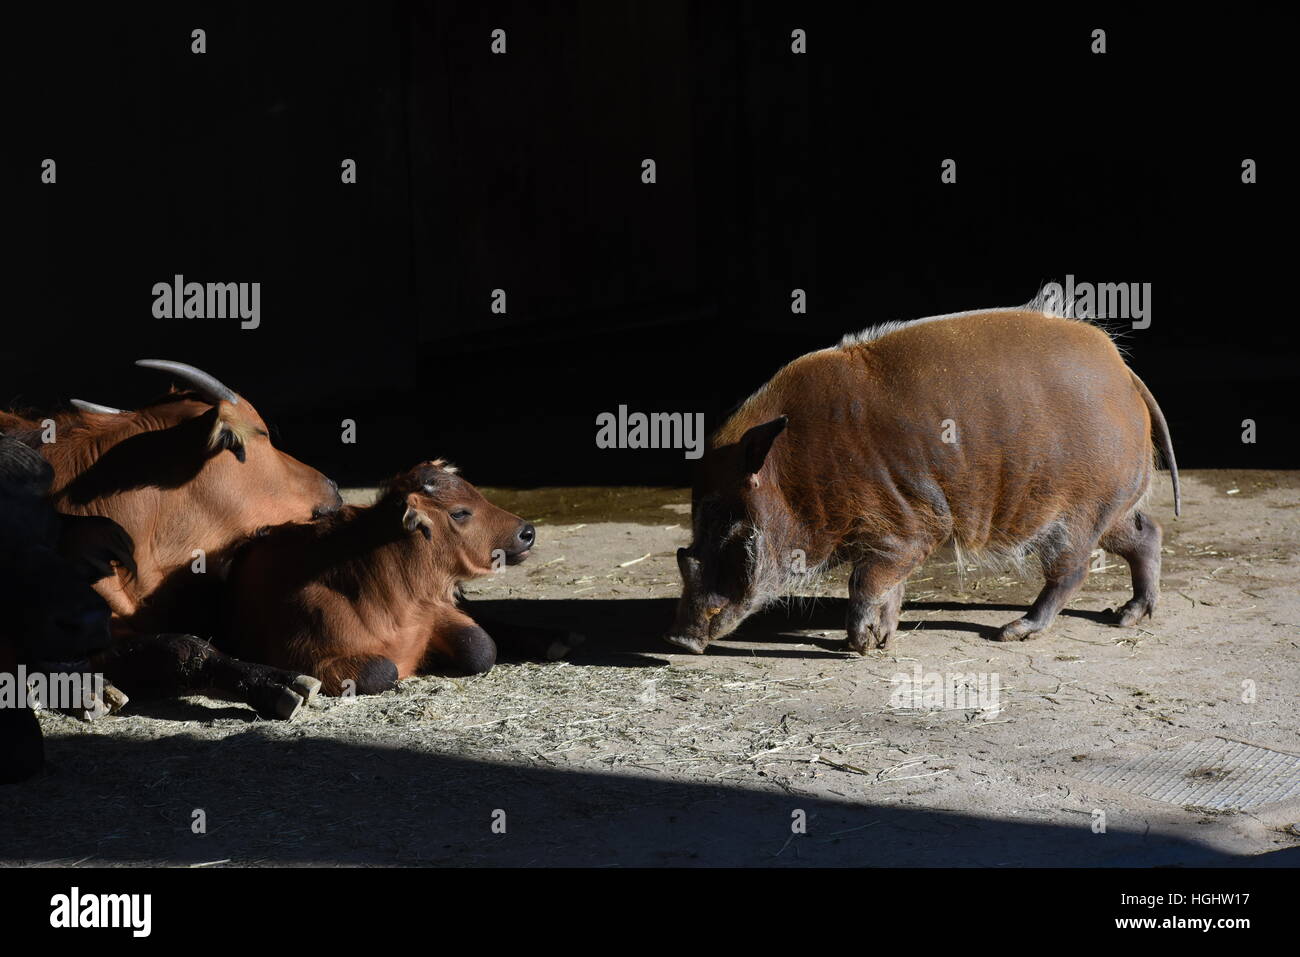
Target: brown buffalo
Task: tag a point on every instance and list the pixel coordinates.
(368, 596)
(1011, 433)
(186, 476)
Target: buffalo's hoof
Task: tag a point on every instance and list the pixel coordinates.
(111, 702)
(694, 645)
(307, 686)
(114, 699)
(283, 701)
(288, 703)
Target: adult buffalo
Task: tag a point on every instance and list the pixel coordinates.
(186, 476)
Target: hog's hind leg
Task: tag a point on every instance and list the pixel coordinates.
(1065, 573)
(1136, 538)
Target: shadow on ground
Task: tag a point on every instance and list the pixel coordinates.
(629, 631)
(109, 800)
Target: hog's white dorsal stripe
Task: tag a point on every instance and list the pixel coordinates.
(1043, 301)
(1050, 300)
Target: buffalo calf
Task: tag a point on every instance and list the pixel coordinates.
(368, 596)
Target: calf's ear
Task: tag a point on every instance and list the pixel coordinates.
(413, 518)
(756, 443)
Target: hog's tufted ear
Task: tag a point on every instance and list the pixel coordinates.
(757, 443)
(413, 518)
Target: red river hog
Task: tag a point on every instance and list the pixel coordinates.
(1011, 433)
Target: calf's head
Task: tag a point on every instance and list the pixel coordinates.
(733, 565)
(469, 536)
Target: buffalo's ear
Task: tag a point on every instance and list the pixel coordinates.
(413, 518)
(93, 543)
(689, 566)
(756, 443)
(227, 432)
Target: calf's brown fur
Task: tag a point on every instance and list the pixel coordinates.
(368, 596)
(1012, 433)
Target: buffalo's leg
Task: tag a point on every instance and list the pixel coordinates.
(164, 666)
(22, 749)
(459, 646)
(876, 597)
(357, 675)
(1136, 538)
(1064, 574)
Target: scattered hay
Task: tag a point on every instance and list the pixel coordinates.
(686, 721)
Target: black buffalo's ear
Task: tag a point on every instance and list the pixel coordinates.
(93, 543)
(757, 442)
(413, 518)
(689, 566)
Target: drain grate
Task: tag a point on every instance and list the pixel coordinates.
(1216, 774)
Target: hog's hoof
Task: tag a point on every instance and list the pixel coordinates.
(871, 643)
(1019, 630)
(561, 647)
(1135, 611)
(693, 645)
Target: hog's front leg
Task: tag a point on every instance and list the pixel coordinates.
(876, 596)
(873, 617)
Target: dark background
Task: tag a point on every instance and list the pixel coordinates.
(522, 171)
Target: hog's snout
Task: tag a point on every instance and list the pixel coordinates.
(686, 642)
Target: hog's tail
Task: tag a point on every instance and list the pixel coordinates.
(1160, 433)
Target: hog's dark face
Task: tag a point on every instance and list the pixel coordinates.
(720, 581)
(729, 570)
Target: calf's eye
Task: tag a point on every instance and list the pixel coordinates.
(461, 514)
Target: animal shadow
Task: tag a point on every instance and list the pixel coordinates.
(629, 631)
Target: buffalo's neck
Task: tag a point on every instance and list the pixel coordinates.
(396, 571)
